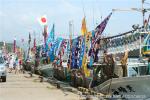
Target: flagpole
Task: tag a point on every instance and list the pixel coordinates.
(45, 34)
(14, 46)
(70, 31)
(29, 41)
(34, 44)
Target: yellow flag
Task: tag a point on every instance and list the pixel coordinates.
(87, 38)
(85, 34)
(84, 66)
(83, 28)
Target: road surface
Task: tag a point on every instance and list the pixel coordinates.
(22, 87)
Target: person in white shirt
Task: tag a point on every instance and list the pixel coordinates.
(11, 64)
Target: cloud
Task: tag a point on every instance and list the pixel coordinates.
(2, 14)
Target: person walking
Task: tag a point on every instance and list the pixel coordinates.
(17, 68)
(21, 67)
(11, 64)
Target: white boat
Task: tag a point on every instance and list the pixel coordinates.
(132, 88)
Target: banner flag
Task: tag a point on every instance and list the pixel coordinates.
(83, 28)
(51, 35)
(75, 53)
(54, 48)
(62, 47)
(100, 28)
(82, 51)
(84, 66)
(98, 31)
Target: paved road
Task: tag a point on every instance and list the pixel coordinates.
(22, 87)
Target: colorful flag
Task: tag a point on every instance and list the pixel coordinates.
(83, 28)
(96, 34)
(82, 51)
(84, 66)
(51, 36)
(91, 61)
(100, 28)
(88, 40)
(74, 53)
(62, 47)
(45, 35)
(43, 20)
(54, 48)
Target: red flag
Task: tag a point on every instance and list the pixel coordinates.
(43, 20)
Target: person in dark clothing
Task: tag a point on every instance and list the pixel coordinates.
(96, 55)
(148, 70)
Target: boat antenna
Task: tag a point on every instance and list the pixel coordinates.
(93, 16)
(83, 8)
(143, 10)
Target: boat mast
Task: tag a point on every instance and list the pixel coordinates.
(143, 11)
(70, 36)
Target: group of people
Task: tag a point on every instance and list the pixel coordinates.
(14, 64)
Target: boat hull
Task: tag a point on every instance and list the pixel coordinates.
(132, 88)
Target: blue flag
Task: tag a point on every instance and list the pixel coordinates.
(75, 52)
(51, 36)
(82, 52)
(54, 48)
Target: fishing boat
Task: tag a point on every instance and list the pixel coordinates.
(135, 85)
(121, 68)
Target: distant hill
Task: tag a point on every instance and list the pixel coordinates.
(9, 46)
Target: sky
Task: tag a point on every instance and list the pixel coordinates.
(19, 17)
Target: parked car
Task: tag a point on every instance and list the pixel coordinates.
(3, 72)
